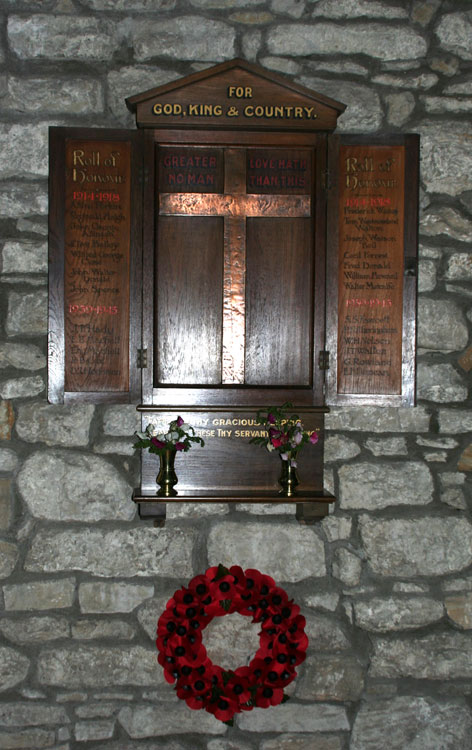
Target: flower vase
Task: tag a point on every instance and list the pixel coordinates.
(288, 479)
(167, 476)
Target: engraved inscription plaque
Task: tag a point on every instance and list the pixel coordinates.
(94, 265)
(370, 295)
(373, 265)
(97, 261)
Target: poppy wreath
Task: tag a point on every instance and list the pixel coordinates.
(218, 592)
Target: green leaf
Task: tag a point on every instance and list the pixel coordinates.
(230, 722)
(226, 677)
(285, 698)
(221, 572)
(226, 604)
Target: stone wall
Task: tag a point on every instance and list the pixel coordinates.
(386, 581)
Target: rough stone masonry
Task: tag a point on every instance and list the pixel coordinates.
(385, 582)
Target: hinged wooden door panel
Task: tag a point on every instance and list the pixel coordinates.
(235, 264)
(371, 275)
(95, 265)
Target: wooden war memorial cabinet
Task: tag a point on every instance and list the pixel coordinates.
(229, 255)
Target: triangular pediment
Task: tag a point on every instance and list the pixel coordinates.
(235, 95)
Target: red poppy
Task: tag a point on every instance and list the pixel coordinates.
(266, 696)
(225, 588)
(237, 686)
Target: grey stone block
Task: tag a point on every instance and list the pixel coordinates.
(185, 38)
(21, 356)
(9, 554)
(441, 325)
(27, 313)
(454, 31)
(331, 677)
(14, 667)
(412, 722)
(25, 199)
(346, 9)
(440, 383)
(114, 553)
(293, 717)
(24, 150)
(375, 486)
(397, 613)
(31, 714)
(54, 96)
(66, 486)
(101, 596)
(156, 720)
(50, 594)
(364, 110)
(98, 666)
(445, 220)
(439, 656)
(57, 425)
(322, 38)
(422, 546)
(35, 629)
(300, 552)
(22, 387)
(446, 157)
(62, 37)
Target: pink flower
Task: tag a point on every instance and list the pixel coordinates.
(277, 438)
(179, 446)
(314, 437)
(271, 418)
(180, 421)
(158, 443)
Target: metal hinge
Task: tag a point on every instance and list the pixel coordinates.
(323, 360)
(326, 180)
(142, 359)
(143, 175)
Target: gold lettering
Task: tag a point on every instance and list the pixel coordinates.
(81, 176)
(240, 92)
(356, 165)
(79, 158)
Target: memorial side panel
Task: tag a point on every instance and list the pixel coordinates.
(97, 265)
(370, 269)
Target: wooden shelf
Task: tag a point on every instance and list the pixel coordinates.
(310, 506)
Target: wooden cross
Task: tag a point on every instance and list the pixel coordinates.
(234, 205)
